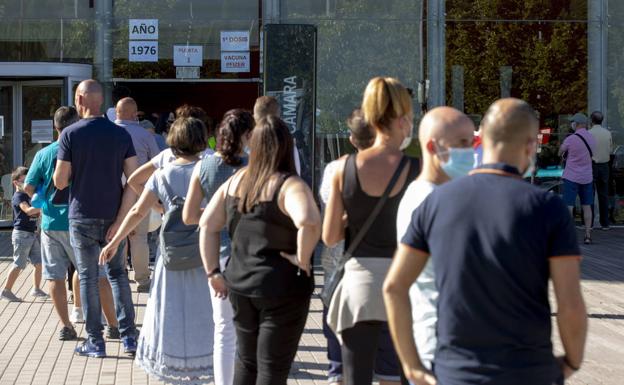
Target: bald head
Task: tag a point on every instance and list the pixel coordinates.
(126, 109)
(446, 124)
(509, 122)
(89, 98)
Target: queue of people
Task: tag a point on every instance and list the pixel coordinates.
(434, 272)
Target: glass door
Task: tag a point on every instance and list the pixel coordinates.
(39, 101)
(8, 108)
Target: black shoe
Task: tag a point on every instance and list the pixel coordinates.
(67, 334)
(588, 240)
(112, 333)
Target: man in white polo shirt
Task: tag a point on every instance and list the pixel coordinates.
(446, 136)
(602, 154)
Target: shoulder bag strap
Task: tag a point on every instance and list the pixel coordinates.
(373, 215)
(166, 185)
(591, 154)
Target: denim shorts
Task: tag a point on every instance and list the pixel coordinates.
(584, 191)
(57, 254)
(26, 248)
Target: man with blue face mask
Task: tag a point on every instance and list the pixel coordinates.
(496, 242)
(445, 135)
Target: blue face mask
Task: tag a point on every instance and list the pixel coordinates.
(460, 162)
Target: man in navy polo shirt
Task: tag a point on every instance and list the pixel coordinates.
(93, 154)
(496, 242)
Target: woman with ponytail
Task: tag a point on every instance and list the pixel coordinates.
(209, 174)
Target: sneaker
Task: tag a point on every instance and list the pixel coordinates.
(91, 349)
(67, 334)
(38, 293)
(605, 228)
(8, 295)
(76, 316)
(144, 287)
(112, 333)
(130, 345)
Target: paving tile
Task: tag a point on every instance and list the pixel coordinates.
(30, 352)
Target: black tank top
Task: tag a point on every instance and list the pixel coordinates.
(256, 268)
(380, 241)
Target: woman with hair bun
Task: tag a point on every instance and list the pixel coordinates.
(356, 312)
(232, 137)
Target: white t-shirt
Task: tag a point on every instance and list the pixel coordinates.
(423, 293)
(166, 156)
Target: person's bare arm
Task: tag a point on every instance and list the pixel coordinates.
(211, 223)
(139, 178)
(62, 174)
(406, 266)
(29, 189)
(334, 222)
(571, 312)
(136, 214)
(300, 206)
(128, 198)
(29, 210)
(192, 211)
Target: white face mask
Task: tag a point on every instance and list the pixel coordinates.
(531, 169)
(407, 140)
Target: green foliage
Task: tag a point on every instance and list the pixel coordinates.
(548, 59)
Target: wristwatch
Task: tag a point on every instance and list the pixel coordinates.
(214, 272)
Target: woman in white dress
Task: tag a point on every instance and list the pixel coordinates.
(176, 340)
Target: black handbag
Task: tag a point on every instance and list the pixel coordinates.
(331, 282)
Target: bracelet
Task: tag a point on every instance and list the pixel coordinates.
(569, 365)
(216, 271)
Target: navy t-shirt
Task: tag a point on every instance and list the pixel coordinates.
(491, 236)
(21, 221)
(97, 149)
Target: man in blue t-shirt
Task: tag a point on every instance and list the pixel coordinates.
(496, 241)
(56, 251)
(93, 155)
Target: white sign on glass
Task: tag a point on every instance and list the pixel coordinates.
(42, 131)
(234, 61)
(234, 40)
(142, 51)
(187, 72)
(143, 29)
(1, 126)
(187, 55)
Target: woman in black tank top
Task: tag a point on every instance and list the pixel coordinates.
(274, 225)
(357, 311)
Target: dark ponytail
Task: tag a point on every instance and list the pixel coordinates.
(235, 124)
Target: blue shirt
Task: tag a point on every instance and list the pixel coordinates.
(491, 235)
(40, 174)
(97, 149)
(21, 221)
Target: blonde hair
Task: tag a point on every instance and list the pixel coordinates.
(385, 99)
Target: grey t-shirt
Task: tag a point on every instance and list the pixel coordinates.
(142, 140)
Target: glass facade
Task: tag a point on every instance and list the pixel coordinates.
(541, 51)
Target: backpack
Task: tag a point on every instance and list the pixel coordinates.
(179, 242)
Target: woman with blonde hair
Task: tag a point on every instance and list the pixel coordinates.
(367, 194)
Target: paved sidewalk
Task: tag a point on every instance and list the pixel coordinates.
(30, 352)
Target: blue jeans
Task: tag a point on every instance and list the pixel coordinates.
(87, 238)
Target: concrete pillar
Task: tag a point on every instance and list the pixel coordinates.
(103, 61)
(436, 52)
(597, 57)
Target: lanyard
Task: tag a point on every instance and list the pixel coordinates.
(501, 169)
